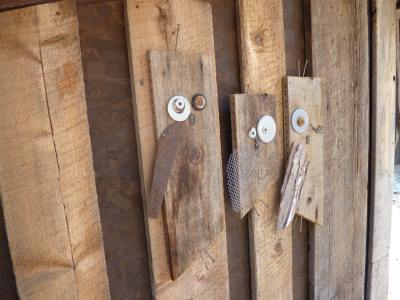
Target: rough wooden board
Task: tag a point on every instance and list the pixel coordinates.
(228, 80)
(12, 4)
(194, 209)
(109, 102)
(46, 156)
(306, 93)
(263, 67)
(383, 100)
(153, 25)
(292, 187)
(246, 110)
(397, 115)
(339, 51)
(295, 42)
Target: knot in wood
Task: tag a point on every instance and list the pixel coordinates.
(195, 155)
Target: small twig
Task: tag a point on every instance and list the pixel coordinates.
(298, 67)
(255, 209)
(319, 130)
(305, 68)
(212, 258)
(204, 262)
(177, 37)
(301, 223)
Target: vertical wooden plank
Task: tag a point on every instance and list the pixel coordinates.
(153, 25)
(228, 79)
(109, 104)
(194, 210)
(263, 68)
(46, 172)
(339, 51)
(306, 93)
(294, 24)
(382, 145)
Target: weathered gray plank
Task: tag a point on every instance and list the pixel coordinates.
(153, 25)
(306, 93)
(262, 49)
(383, 99)
(339, 47)
(295, 42)
(194, 210)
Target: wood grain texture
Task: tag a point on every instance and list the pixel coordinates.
(154, 25)
(263, 67)
(295, 50)
(47, 179)
(109, 104)
(246, 110)
(383, 107)
(306, 93)
(194, 209)
(13, 4)
(228, 80)
(339, 51)
(292, 187)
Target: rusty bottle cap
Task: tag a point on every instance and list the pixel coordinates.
(199, 102)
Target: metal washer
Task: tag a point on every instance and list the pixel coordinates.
(266, 129)
(300, 114)
(183, 105)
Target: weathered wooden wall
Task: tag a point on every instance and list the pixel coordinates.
(109, 103)
(383, 92)
(340, 55)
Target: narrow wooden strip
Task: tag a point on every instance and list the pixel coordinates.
(263, 67)
(384, 40)
(46, 172)
(179, 25)
(338, 248)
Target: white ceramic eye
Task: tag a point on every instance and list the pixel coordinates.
(300, 120)
(252, 133)
(266, 129)
(178, 108)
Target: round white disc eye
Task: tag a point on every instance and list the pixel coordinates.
(300, 120)
(178, 108)
(252, 133)
(266, 129)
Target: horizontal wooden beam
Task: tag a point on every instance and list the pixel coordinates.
(12, 4)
